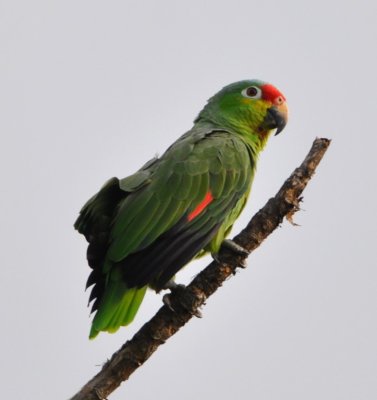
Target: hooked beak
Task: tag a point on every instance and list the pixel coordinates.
(277, 117)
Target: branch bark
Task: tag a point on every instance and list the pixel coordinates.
(185, 303)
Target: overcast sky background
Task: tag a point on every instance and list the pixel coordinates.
(93, 89)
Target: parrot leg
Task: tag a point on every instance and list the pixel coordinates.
(172, 285)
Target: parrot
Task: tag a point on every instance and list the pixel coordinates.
(142, 229)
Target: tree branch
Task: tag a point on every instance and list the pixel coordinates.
(185, 303)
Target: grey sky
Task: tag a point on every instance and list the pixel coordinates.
(93, 89)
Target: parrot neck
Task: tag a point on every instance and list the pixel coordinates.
(256, 141)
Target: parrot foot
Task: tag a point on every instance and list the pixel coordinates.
(177, 289)
(235, 248)
(230, 244)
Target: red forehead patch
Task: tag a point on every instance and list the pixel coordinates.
(270, 93)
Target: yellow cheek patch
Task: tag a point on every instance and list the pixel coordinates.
(245, 100)
(261, 106)
(258, 105)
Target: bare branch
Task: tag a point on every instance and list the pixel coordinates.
(186, 302)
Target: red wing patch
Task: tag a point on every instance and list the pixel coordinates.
(201, 206)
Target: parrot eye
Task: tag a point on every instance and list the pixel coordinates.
(253, 92)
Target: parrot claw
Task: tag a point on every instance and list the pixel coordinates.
(230, 244)
(216, 257)
(173, 287)
(167, 301)
(242, 264)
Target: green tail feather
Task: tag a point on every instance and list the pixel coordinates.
(118, 308)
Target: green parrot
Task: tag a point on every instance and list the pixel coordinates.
(144, 228)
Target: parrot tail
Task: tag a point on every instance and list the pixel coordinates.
(118, 307)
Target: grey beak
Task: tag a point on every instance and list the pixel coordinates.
(276, 117)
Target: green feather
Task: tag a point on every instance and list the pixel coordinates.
(118, 308)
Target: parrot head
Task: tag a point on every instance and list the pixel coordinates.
(252, 108)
